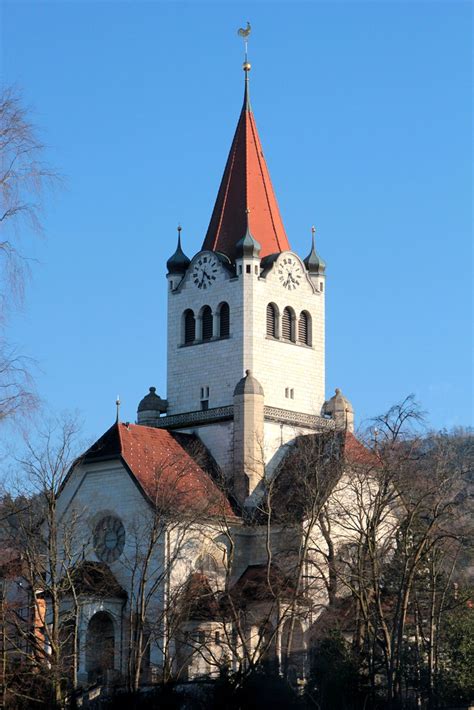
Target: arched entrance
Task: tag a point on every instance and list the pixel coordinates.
(100, 646)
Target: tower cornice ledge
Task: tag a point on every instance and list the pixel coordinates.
(200, 417)
(218, 414)
(297, 419)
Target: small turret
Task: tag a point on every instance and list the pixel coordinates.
(150, 408)
(313, 262)
(249, 464)
(247, 247)
(179, 262)
(340, 409)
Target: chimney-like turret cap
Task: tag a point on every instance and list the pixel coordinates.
(248, 385)
(152, 402)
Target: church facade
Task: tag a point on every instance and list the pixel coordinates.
(182, 563)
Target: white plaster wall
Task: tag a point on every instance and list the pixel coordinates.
(218, 438)
(94, 491)
(277, 438)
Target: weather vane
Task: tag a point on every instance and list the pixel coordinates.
(244, 33)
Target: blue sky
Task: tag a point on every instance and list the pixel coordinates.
(364, 111)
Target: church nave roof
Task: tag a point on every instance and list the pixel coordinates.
(165, 469)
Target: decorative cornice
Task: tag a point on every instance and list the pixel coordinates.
(200, 417)
(217, 414)
(297, 419)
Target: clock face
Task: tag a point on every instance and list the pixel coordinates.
(109, 538)
(205, 271)
(289, 272)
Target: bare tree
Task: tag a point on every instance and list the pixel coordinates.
(48, 553)
(401, 518)
(183, 514)
(24, 177)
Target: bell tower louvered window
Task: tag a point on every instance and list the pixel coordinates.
(206, 323)
(271, 321)
(224, 321)
(304, 328)
(189, 327)
(287, 325)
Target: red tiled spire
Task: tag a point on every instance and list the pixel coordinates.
(246, 185)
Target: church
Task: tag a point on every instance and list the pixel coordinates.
(187, 531)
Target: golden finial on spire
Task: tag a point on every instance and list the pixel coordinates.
(244, 33)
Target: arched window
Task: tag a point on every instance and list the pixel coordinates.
(304, 328)
(206, 316)
(288, 324)
(272, 321)
(207, 565)
(189, 326)
(224, 320)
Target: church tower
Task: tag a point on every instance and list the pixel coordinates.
(245, 306)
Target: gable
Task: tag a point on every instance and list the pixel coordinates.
(167, 473)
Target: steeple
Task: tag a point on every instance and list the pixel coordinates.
(246, 200)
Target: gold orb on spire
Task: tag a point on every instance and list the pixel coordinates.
(247, 66)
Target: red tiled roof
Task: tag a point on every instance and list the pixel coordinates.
(10, 561)
(257, 583)
(246, 185)
(356, 453)
(166, 472)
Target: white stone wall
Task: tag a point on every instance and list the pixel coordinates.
(101, 489)
(220, 364)
(215, 364)
(277, 364)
